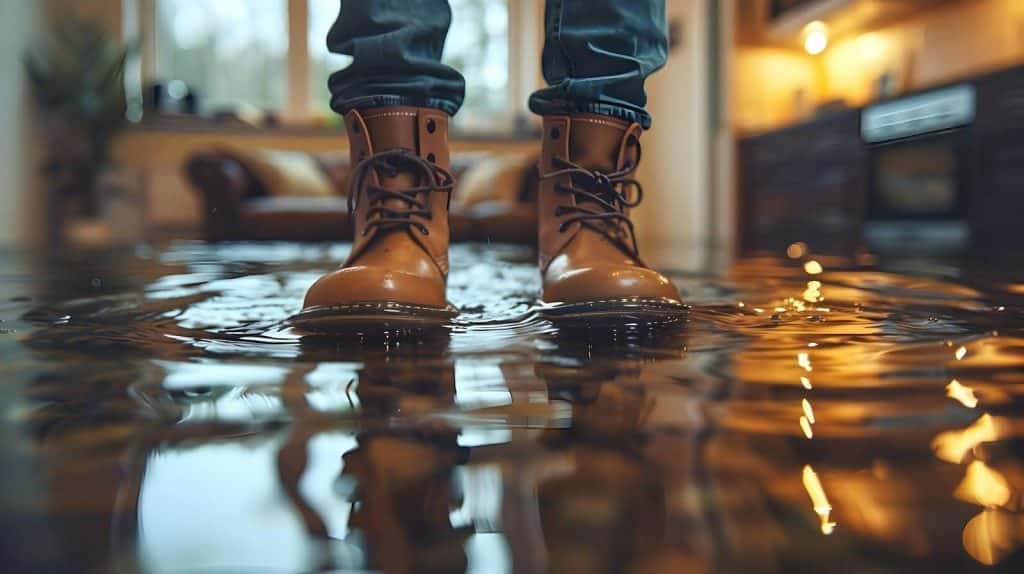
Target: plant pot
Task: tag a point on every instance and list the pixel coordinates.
(120, 213)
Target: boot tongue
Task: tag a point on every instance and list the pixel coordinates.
(393, 128)
(595, 142)
(390, 129)
(594, 145)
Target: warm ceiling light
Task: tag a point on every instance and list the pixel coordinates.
(815, 38)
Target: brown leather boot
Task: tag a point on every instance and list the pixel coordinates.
(398, 200)
(589, 259)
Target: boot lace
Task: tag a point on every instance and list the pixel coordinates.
(430, 178)
(607, 196)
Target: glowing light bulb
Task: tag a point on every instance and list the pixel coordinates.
(815, 38)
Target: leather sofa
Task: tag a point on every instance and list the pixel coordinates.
(237, 205)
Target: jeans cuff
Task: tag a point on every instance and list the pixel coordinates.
(343, 106)
(550, 107)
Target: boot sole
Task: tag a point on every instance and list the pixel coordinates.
(372, 316)
(630, 308)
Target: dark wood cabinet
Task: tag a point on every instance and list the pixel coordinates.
(804, 183)
(996, 212)
(781, 8)
(1000, 101)
(811, 182)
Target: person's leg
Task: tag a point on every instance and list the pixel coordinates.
(597, 54)
(396, 97)
(396, 48)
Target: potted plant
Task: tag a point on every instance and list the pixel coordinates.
(77, 81)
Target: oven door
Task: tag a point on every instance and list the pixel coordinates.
(917, 192)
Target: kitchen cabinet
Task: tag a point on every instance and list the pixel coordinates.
(996, 212)
(804, 183)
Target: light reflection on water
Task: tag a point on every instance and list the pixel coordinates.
(802, 416)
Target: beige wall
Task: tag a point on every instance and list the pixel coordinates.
(19, 194)
(942, 45)
(675, 171)
(773, 86)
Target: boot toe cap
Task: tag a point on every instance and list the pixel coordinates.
(354, 285)
(599, 283)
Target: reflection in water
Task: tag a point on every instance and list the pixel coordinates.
(821, 505)
(806, 414)
(983, 486)
(962, 394)
(953, 446)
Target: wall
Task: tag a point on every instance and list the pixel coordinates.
(19, 213)
(773, 87)
(941, 45)
(675, 167)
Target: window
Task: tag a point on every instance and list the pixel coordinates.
(237, 53)
(322, 14)
(232, 51)
(478, 46)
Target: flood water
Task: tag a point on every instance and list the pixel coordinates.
(158, 415)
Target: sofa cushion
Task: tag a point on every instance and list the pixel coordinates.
(494, 178)
(285, 173)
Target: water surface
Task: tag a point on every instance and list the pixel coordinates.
(158, 415)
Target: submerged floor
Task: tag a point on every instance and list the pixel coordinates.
(157, 415)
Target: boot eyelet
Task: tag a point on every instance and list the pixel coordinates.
(431, 158)
(555, 133)
(431, 126)
(424, 230)
(558, 211)
(562, 228)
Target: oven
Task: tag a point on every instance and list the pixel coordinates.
(919, 164)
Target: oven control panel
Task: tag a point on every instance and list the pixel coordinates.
(920, 114)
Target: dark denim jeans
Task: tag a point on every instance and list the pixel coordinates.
(597, 54)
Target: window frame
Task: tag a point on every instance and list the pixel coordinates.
(525, 32)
